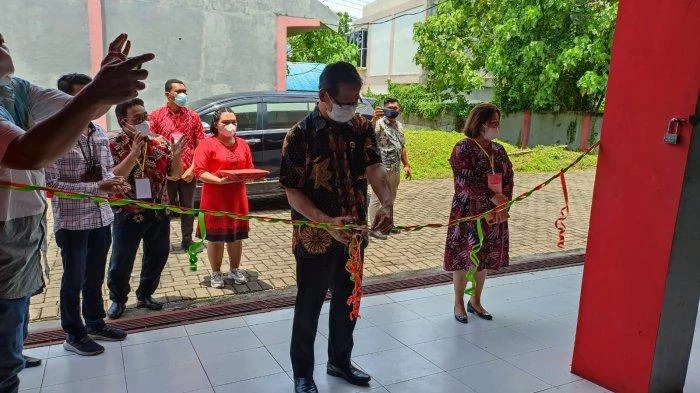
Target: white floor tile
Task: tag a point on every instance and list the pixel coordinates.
(274, 332)
(396, 365)
(552, 365)
(548, 332)
(32, 378)
(449, 324)
(411, 294)
(431, 306)
(388, 313)
(416, 331)
(267, 317)
(276, 383)
(446, 289)
(66, 369)
(238, 366)
(169, 378)
(503, 342)
(580, 387)
(281, 353)
(140, 357)
(552, 305)
(570, 319)
(326, 383)
(155, 335)
(452, 353)
(225, 341)
(375, 300)
(114, 383)
(498, 377)
(215, 326)
(372, 340)
(38, 352)
(436, 383)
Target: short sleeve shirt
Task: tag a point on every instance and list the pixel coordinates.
(327, 162)
(391, 143)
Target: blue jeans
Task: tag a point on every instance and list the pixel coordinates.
(129, 229)
(84, 255)
(14, 318)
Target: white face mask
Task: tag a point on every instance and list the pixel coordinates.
(229, 131)
(7, 67)
(342, 114)
(143, 128)
(491, 133)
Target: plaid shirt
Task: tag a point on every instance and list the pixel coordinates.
(66, 174)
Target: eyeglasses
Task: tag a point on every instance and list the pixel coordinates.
(346, 105)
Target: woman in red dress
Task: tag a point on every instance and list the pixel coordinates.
(483, 179)
(223, 151)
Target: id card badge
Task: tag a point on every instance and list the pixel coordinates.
(143, 188)
(495, 181)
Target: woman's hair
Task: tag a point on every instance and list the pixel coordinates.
(217, 117)
(480, 115)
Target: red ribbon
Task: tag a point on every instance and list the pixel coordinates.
(355, 266)
(564, 213)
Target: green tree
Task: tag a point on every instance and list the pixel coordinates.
(542, 55)
(325, 45)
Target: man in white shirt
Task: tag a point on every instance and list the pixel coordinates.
(37, 126)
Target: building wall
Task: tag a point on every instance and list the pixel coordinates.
(215, 46)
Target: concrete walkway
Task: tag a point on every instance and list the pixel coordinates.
(268, 261)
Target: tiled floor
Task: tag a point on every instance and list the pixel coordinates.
(408, 341)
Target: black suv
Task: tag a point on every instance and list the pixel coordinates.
(263, 121)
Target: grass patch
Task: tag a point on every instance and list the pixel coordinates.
(429, 152)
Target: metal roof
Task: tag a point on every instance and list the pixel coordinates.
(303, 76)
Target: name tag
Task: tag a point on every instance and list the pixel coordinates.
(495, 181)
(143, 189)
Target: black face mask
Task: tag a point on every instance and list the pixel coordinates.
(391, 113)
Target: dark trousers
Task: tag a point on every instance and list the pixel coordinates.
(315, 276)
(14, 318)
(181, 194)
(129, 229)
(84, 255)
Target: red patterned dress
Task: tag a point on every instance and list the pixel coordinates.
(213, 156)
(471, 166)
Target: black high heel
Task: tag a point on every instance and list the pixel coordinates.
(485, 315)
(461, 318)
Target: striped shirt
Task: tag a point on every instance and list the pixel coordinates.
(67, 174)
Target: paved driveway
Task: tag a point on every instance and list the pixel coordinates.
(268, 260)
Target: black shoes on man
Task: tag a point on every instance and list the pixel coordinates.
(116, 310)
(350, 374)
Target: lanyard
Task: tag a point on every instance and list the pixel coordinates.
(489, 156)
(88, 156)
(142, 163)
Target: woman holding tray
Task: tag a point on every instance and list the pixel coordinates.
(220, 192)
(483, 179)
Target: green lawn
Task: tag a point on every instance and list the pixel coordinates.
(428, 152)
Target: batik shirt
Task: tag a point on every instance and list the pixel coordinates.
(327, 162)
(391, 143)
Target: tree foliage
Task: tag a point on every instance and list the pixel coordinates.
(542, 55)
(325, 45)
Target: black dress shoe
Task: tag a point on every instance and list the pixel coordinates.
(116, 310)
(149, 303)
(483, 315)
(30, 362)
(351, 374)
(305, 385)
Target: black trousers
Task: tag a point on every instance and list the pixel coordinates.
(315, 276)
(181, 193)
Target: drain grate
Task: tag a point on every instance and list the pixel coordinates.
(233, 308)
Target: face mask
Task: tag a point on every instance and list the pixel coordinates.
(229, 130)
(342, 114)
(143, 128)
(391, 113)
(491, 133)
(7, 67)
(181, 99)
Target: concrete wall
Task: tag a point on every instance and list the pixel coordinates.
(215, 46)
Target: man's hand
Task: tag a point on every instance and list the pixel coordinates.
(188, 176)
(137, 145)
(343, 236)
(177, 146)
(119, 79)
(408, 172)
(378, 113)
(115, 185)
(384, 220)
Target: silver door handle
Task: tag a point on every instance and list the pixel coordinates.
(253, 141)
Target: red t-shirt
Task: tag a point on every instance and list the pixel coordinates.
(165, 122)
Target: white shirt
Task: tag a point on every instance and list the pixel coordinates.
(43, 103)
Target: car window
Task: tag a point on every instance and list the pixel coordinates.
(286, 114)
(246, 115)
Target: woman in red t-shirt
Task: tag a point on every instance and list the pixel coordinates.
(223, 151)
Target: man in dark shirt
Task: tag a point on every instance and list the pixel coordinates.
(327, 161)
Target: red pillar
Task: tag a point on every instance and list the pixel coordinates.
(628, 323)
(585, 131)
(96, 39)
(524, 135)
